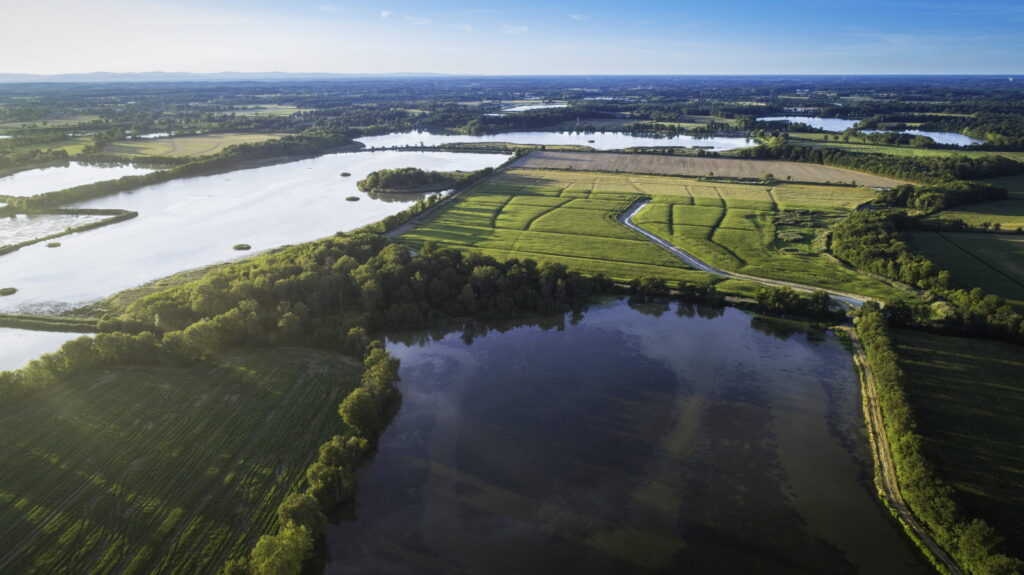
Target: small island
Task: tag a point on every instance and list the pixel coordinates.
(346, 174)
(353, 198)
(53, 245)
(415, 180)
(8, 291)
(242, 247)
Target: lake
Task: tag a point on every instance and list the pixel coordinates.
(839, 125)
(42, 180)
(668, 440)
(827, 124)
(189, 223)
(19, 346)
(596, 140)
(22, 227)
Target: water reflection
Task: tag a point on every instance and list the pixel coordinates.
(621, 439)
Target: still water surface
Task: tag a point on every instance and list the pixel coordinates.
(18, 346)
(626, 443)
(189, 223)
(42, 180)
(596, 140)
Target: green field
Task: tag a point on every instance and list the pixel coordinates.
(161, 469)
(968, 399)
(269, 110)
(993, 262)
(548, 216)
(783, 241)
(1008, 213)
(817, 141)
(569, 217)
(183, 146)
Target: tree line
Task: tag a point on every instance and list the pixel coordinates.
(938, 197)
(929, 169)
(871, 241)
(971, 542)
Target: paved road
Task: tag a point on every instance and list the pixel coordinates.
(626, 218)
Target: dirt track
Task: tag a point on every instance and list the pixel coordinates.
(696, 166)
(885, 472)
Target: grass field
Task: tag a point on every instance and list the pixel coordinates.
(269, 110)
(968, 399)
(1008, 213)
(697, 166)
(530, 214)
(569, 217)
(782, 241)
(53, 122)
(162, 470)
(817, 141)
(993, 262)
(181, 146)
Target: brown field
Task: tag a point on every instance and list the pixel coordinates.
(696, 166)
(182, 146)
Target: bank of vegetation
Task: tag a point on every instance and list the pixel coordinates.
(415, 180)
(926, 169)
(970, 541)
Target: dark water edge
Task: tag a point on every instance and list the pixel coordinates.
(657, 439)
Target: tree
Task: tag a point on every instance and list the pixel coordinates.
(360, 412)
(283, 553)
(301, 509)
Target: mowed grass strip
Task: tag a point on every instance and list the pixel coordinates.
(183, 146)
(162, 469)
(993, 262)
(968, 400)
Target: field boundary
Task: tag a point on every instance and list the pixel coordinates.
(885, 478)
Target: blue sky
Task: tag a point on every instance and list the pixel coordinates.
(521, 37)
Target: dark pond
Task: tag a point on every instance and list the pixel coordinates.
(656, 440)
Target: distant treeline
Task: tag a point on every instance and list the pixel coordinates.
(871, 241)
(971, 542)
(937, 197)
(929, 169)
(224, 161)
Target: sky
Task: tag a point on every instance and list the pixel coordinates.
(521, 37)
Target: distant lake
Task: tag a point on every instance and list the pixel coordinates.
(840, 125)
(947, 138)
(827, 124)
(42, 180)
(528, 107)
(667, 440)
(596, 140)
(193, 222)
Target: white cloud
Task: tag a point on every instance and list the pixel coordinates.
(329, 8)
(577, 16)
(385, 13)
(510, 29)
(417, 20)
(465, 27)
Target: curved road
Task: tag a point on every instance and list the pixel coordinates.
(885, 478)
(626, 218)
